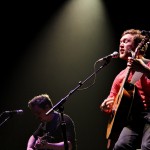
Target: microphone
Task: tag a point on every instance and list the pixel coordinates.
(13, 112)
(115, 54)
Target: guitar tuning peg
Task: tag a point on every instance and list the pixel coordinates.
(146, 33)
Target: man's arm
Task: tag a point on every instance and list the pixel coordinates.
(139, 65)
(43, 144)
(31, 142)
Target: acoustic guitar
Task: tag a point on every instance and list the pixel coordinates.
(125, 100)
(46, 137)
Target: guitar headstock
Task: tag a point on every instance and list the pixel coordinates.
(142, 46)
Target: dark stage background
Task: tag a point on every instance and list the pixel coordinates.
(48, 47)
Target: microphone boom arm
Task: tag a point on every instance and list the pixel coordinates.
(63, 100)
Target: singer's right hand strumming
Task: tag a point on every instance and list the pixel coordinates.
(106, 105)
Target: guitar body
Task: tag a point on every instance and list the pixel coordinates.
(121, 110)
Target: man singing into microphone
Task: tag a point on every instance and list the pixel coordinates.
(49, 134)
(137, 127)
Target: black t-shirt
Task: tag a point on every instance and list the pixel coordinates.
(53, 130)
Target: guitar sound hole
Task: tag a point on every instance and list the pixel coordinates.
(128, 86)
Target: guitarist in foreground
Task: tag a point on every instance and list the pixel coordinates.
(49, 134)
(130, 96)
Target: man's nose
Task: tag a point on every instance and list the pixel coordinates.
(121, 45)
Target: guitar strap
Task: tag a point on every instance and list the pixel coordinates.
(137, 75)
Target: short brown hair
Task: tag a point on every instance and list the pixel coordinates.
(41, 100)
(138, 37)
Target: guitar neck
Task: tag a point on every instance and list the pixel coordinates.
(125, 79)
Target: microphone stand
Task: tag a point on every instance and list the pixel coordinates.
(63, 127)
(59, 105)
(9, 116)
